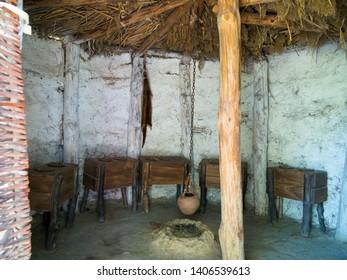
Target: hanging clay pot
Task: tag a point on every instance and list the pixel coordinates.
(188, 202)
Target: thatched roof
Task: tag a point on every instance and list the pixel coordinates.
(105, 26)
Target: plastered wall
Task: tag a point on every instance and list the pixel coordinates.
(307, 117)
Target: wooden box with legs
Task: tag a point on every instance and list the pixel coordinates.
(50, 186)
(162, 170)
(306, 185)
(105, 173)
(209, 177)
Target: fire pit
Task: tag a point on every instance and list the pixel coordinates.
(185, 239)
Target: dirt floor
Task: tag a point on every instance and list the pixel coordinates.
(128, 236)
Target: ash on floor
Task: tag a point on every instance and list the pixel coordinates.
(127, 236)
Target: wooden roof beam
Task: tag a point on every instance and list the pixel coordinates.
(61, 3)
(245, 3)
(171, 20)
(143, 14)
(273, 21)
(33, 4)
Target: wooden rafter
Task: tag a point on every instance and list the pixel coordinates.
(272, 20)
(192, 31)
(62, 3)
(143, 14)
(245, 3)
(157, 35)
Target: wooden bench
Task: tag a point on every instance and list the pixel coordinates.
(306, 185)
(105, 173)
(161, 170)
(50, 186)
(209, 177)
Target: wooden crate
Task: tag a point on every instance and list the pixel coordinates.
(105, 173)
(209, 177)
(306, 185)
(289, 183)
(51, 185)
(161, 170)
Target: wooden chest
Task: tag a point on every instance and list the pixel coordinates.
(163, 170)
(119, 172)
(42, 184)
(105, 173)
(51, 185)
(290, 182)
(209, 177)
(306, 185)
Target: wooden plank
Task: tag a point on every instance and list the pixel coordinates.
(70, 119)
(157, 35)
(231, 229)
(260, 135)
(289, 183)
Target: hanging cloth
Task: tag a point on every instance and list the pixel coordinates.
(146, 119)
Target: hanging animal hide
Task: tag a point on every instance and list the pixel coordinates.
(146, 119)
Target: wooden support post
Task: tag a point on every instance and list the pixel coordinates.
(134, 125)
(70, 120)
(260, 135)
(341, 226)
(185, 92)
(231, 233)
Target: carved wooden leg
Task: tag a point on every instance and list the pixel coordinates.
(178, 190)
(244, 187)
(46, 218)
(84, 200)
(307, 207)
(203, 190)
(70, 218)
(271, 194)
(320, 211)
(145, 188)
(135, 189)
(53, 221)
(101, 202)
(124, 197)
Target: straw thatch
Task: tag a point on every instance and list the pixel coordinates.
(188, 26)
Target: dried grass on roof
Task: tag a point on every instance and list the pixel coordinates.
(328, 15)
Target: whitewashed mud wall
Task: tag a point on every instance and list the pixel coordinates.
(43, 73)
(164, 137)
(104, 106)
(308, 119)
(103, 103)
(307, 126)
